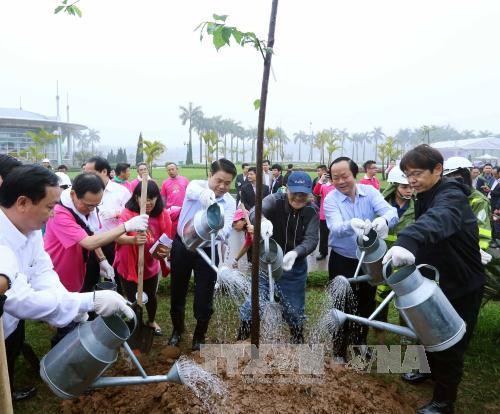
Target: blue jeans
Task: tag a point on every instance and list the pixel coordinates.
(290, 290)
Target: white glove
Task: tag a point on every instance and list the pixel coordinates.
(289, 260)
(266, 228)
(361, 227)
(81, 317)
(106, 270)
(207, 198)
(108, 302)
(381, 227)
(400, 256)
(137, 223)
(234, 264)
(485, 257)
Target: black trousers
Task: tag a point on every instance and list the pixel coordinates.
(13, 348)
(323, 238)
(183, 263)
(92, 267)
(447, 366)
(150, 287)
(352, 333)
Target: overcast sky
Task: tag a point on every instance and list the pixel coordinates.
(128, 65)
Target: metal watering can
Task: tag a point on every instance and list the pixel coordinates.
(271, 258)
(370, 253)
(205, 223)
(201, 231)
(425, 308)
(77, 362)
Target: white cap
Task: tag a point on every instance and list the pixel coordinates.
(46, 160)
(454, 163)
(396, 176)
(63, 179)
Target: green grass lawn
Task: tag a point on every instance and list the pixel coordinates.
(478, 390)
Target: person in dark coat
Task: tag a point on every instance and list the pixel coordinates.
(444, 235)
(248, 189)
(277, 182)
(240, 180)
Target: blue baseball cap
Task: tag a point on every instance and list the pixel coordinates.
(299, 182)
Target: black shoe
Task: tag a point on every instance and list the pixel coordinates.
(415, 377)
(199, 334)
(244, 330)
(437, 407)
(321, 257)
(297, 335)
(23, 393)
(178, 323)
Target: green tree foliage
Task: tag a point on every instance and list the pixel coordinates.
(387, 151)
(139, 156)
(153, 150)
(71, 8)
(38, 150)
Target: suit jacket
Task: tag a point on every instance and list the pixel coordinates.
(240, 179)
(275, 186)
(248, 194)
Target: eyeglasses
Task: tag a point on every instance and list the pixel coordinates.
(414, 174)
(89, 206)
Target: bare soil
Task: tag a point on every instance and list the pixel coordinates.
(338, 390)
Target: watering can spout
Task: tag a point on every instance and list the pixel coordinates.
(174, 375)
(359, 279)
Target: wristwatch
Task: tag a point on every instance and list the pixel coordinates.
(9, 283)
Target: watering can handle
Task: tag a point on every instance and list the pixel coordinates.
(134, 318)
(436, 271)
(385, 267)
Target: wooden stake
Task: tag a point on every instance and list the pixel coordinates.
(5, 395)
(140, 261)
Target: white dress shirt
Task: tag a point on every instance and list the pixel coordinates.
(192, 205)
(36, 292)
(114, 198)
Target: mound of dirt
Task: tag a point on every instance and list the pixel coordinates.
(337, 390)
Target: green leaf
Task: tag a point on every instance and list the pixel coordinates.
(58, 9)
(212, 27)
(78, 11)
(226, 33)
(237, 36)
(222, 17)
(256, 104)
(218, 40)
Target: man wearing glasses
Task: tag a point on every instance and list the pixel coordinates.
(295, 221)
(352, 210)
(444, 235)
(72, 233)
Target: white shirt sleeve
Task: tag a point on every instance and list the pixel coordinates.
(39, 295)
(195, 188)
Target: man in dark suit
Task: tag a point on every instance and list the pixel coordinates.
(277, 182)
(247, 192)
(240, 179)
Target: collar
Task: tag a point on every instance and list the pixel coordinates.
(92, 221)
(118, 180)
(359, 192)
(16, 239)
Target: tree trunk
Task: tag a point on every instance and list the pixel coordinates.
(255, 330)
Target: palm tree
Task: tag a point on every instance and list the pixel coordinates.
(192, 114)
(153, 149)
(93, 138)
(300, 137)
(252, 137)
(425, 132)
(376, 134)
(332, 143)
(366, 138)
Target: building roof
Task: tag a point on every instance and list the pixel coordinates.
(486, 143)
(15, 117)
